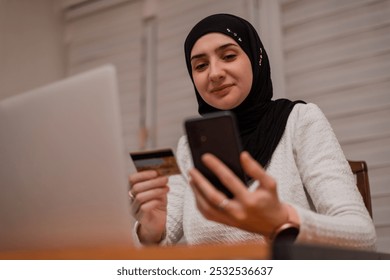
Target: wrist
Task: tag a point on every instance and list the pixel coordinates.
(289, 230)
(148, 238)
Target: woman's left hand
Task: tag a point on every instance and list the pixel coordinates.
(257, 211)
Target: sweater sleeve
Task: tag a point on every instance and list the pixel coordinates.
(176, 183)
(340, 217)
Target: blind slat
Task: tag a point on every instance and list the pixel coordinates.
(338, 56)
(111, 35)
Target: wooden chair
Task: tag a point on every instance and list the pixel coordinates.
(359, 169)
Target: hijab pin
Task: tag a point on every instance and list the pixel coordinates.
(234, 34)
(261, 56)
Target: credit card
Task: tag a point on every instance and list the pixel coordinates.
(163, 161)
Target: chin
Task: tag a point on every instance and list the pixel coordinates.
(222, 107)
(226, 106)
(223, 104)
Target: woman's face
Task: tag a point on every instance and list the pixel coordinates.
(221, 71)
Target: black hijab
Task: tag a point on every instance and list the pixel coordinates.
(261, 121)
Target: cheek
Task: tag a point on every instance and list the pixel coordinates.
(199, 83)
(247, 78)
(249, 81)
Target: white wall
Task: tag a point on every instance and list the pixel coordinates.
(31, 48)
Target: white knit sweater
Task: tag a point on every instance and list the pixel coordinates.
(312, 174)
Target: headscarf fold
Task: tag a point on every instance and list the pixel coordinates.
(261, 120)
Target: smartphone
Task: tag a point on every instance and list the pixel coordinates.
(216, 133)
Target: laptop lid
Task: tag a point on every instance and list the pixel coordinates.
(63, 170)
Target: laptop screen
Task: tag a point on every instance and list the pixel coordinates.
(63, 180)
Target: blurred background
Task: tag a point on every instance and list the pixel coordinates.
(335, 53)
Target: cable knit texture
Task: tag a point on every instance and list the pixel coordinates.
(312, 175)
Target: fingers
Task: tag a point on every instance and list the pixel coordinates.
(250, 166)
(254, 170)
(255, 211)
(211, 203)
(150, 184)
(147, 201)
(146, 189)
(225, 175)
(204, 188)
(142, 176)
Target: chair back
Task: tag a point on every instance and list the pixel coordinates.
(359, 169)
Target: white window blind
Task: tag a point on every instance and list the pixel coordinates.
(101, 32)
(337, 55)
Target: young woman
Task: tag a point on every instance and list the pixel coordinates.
(303, 184)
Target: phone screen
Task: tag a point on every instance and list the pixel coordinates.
(216, 133)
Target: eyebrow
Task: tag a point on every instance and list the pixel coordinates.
(217, 49)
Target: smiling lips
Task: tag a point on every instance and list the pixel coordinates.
(221, 88)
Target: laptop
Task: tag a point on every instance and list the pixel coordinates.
(63, 169)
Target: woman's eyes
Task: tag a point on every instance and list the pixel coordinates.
(229, 57)
(201, 65)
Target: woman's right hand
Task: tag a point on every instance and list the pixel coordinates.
(148, 192)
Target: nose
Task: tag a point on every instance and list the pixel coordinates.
(217, 72)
